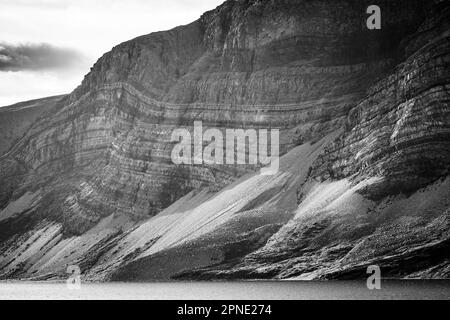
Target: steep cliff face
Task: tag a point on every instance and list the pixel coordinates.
(400, 130)
(363, 118)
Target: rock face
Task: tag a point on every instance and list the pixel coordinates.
(16, 119)
(400, 130)
(364, 132)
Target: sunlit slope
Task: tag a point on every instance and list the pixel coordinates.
(203, 229)
(336, 233)
(208, 226)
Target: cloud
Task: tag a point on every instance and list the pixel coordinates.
(38, 57)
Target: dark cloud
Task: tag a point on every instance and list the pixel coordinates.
(38, 57)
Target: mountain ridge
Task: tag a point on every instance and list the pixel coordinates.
(22, 115)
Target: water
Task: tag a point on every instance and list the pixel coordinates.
(228, 291)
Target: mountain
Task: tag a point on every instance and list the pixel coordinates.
(364, 136)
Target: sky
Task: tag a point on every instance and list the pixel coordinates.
(47, 46)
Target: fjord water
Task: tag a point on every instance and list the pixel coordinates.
(285, 290)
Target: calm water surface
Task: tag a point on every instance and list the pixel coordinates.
(231, 290)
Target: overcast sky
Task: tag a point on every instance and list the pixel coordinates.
(47, 46)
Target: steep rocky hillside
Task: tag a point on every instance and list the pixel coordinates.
(364, 128)
(16, 119)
